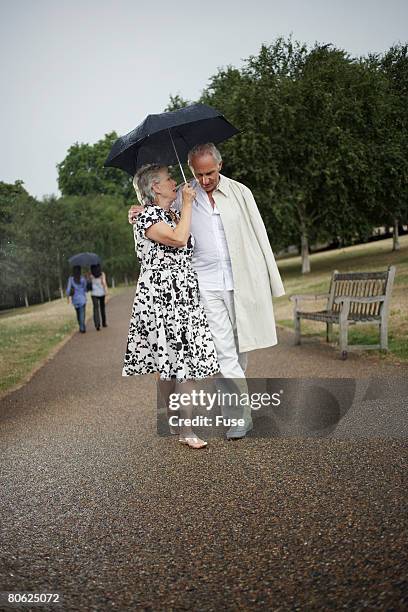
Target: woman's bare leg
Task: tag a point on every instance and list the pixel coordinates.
(166, 388)
(187, 435)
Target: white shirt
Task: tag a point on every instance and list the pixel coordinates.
(211, 258)
(97, 287)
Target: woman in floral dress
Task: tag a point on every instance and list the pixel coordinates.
(168, 330)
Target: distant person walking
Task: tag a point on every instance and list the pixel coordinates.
(98, 293)
(76, 290)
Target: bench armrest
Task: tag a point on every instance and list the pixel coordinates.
(310, 296)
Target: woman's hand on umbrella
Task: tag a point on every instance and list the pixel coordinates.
(133, 212)
(188, 194)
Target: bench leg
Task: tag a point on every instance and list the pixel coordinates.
(343, 339)
(329, 331)
(297, 329)
(384, 335)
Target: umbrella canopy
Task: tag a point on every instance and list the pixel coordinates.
(84, 259)
(168, 137)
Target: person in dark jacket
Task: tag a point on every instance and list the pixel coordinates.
(76, 290)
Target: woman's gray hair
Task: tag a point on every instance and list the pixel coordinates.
(143, 182)
(204, 149)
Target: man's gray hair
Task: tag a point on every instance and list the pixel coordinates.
(143, 182)
(204, 149)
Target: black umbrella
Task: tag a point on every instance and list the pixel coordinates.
(168, 137)
(84, 259)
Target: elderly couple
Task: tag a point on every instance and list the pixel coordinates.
(207, 277)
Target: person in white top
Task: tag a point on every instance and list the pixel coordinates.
(236, 269)
(98, 293)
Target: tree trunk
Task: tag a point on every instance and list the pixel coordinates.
(48, 289)
(41, 290)
(113, 283)
(395, 237)
(304, 238)
(126, 280)
(304, 249)
(26, 299)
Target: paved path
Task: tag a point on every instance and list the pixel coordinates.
(99, 508)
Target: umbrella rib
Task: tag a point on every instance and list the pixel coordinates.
(188, 146)
(175, 150)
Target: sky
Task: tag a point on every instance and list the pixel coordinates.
(74, 70)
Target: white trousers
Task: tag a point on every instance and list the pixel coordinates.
(220, 311)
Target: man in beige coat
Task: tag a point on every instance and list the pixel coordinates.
(236, 269)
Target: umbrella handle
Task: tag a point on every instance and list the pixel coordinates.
(175, 150)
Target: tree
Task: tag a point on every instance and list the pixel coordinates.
(82, 171)
(10, 194)
(309, 125)
(176, 102)
(335, 143)
(99, 224)
(393, 191)
(17, 258)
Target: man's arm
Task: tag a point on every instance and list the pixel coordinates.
(136, 209)
(133, 213)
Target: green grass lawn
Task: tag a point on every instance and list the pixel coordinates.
(28, 335)
(23, 345)
(363, 257)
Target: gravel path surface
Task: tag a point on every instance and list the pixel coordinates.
(99, 508)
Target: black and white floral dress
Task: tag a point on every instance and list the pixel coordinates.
(168, 330)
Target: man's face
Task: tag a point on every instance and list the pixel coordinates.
(206, 170)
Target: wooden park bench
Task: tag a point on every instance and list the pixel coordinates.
(354, 297)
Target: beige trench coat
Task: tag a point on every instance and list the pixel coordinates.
(256, 275)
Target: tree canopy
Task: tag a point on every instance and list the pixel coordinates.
(82, 171)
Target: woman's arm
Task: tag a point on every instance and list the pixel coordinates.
(177, 237)
(68, 290)
(104, 283)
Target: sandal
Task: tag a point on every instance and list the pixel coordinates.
(193, 442)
